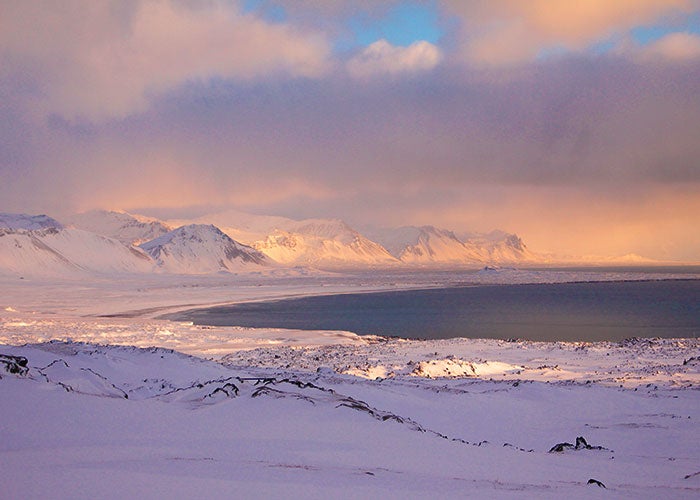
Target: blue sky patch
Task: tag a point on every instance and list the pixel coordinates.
(645, 35)
(266, 9)
(402, 24)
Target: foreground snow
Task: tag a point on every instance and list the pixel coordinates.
(97, 411)
(89, 421)
(630, 364)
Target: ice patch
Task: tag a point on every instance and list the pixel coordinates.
(453, 367)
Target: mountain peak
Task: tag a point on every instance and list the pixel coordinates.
(28, 222)
(128, 228)
(202, 248)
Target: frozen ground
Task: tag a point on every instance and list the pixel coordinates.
(235, 412)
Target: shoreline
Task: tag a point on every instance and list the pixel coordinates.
(133, 307)
(581, 311)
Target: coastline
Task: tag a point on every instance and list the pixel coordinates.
(228, 411)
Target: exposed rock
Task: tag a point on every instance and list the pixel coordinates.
(581, 444)
(17, 365)
(559, 447)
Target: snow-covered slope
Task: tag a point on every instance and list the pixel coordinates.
(128, 228)
(499, 247)
(240, 226)
(199, 249)
(428, 245)
(310, 242)
(333, 243)
(320, 242)
(67, 251)
(29, 222)
(315, 243)
(472, 419)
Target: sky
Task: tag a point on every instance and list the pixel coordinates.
(573, 124)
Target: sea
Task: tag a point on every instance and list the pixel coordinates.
(581, 311)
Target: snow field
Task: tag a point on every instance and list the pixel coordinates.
(191, 426)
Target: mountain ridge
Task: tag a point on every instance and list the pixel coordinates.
(201, 249)
(86, 243)
(128, 228)
(66, 252)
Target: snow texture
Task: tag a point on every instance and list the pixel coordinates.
(67, 252)
(428, 245)
(332, 243)
(29, 222)
(118, 422)
(127, 228)
(201, 249)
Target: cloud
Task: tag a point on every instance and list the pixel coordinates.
(99, 59)
(672, 47)
(503, 32)
(383, 58)
(608, 125)
(180, 104)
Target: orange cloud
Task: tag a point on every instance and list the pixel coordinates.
(511, 31)
(673, 47)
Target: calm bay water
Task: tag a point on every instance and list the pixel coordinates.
(545, 312)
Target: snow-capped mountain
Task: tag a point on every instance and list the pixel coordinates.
(29, 222)
(240, 226)
(428, 245)
(264, 240)
(67, 251)
(199, 249)
(323, 243)
(128, 228)
(501, 247)
(311, 242)
(333, 243)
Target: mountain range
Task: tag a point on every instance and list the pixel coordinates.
(103, 241)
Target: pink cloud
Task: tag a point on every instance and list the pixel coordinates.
(96, 62)
(675, 47)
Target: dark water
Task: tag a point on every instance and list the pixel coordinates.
(546, 312)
